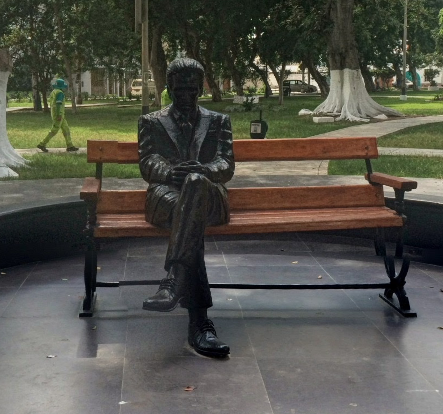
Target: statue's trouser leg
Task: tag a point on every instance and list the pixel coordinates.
(199, 204)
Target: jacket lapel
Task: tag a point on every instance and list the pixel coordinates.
(200, 133)
(173, 131)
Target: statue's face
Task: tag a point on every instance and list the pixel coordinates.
(185, 91)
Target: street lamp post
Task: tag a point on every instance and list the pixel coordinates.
(403, 95)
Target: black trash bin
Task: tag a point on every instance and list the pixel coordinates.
(258, 128)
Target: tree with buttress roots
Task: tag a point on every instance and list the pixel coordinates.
(347, 96)
(8, 156)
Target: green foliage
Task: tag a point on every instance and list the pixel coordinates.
(430, 74)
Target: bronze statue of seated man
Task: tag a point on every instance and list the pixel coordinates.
(186, 157)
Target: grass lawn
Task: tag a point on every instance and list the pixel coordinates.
(428, 136)
(400, 166)
(26, 129)
(46, 166)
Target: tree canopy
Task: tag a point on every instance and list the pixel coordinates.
(232, 39)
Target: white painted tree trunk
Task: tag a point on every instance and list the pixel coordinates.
(8, 156)
(349, 99)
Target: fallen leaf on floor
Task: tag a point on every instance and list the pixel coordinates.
(294, 262)
(94, 328)
(51, 356)
(64, 279)
(3, 273)
(99, 268)
(319, 277)
(189, 388)
(441, 290)
(440, 327)
(353, 405)
(122, 402)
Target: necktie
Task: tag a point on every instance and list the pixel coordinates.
(187, 130)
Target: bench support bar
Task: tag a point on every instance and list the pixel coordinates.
(394, 287)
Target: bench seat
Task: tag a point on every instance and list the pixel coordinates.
(259, 221)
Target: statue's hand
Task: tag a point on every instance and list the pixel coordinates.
(179, 172)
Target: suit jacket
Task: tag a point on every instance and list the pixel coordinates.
(163, 146)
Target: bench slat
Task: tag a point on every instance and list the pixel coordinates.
(120, 201)
(305, 197)
(285, 149)
(305, 149)
(134, 225)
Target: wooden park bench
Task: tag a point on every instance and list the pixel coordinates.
(120, 213)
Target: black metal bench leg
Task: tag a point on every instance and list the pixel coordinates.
(397, 283)
(90, 277)
(399, 244)
(380, 242)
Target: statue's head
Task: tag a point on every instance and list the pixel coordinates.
(184, 78)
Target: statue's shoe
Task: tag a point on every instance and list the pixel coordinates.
(167, 297)
(203, 338)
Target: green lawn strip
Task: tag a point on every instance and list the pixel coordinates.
(401, 166)
(47, 166)
(428, 136)
(414, 106)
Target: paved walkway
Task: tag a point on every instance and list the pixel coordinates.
(379, 129)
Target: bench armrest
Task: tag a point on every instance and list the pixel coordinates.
(91, 188)
(397, 183)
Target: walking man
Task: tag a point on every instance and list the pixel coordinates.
(57, 102)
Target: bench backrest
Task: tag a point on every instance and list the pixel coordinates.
(287, 149)
(291, 149)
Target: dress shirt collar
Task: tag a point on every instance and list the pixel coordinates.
(180, 118)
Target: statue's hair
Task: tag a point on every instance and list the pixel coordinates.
(184, 65)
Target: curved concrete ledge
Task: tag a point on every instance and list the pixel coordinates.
(42, 231)
(38, 232)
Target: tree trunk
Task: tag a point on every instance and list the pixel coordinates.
(36, 100)
(348, 97)
(68, 65)
(79, 99)
(264, 77)
(235, 75)
(45, 103)
(280, 83)
(367, 77)
(158, 63)
(8, 156)
(210, 78)
(398, 75)
(413, 71)
(318, 77)
(213, 84)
